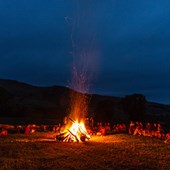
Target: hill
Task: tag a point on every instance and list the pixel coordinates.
(21, 100)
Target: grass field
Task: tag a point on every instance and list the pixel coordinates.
(119, 151)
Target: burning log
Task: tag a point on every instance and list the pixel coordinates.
(81, 129)
(73, 135)
(83, 138)
(76, 133)
(61, 137)
(83, 133)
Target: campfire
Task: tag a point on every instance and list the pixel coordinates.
(76, 133)
(74, 130)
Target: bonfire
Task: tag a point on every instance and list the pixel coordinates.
(75, 130)
(76, 133)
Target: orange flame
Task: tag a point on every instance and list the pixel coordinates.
(76, 132)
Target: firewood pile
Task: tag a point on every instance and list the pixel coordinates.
(70, 136)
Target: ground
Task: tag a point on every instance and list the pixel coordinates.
(119, 151)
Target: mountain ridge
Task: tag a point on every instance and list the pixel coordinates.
(19, 99)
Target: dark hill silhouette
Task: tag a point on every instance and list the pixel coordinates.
(23, 100)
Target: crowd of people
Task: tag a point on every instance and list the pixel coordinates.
(151, 130)
(154, 130)
(106, 128)
(27, 129)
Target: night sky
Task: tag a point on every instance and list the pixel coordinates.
(124, 45)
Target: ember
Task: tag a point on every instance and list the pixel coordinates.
(75, 131)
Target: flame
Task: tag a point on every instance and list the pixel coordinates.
(76, 132)
(79, 129)
(74, 128)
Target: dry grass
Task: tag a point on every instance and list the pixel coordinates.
(120, 151)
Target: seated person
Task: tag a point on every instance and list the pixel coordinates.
(3, 132)
(131, 128)
(167, 139)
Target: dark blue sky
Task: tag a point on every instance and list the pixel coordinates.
(125, 44)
